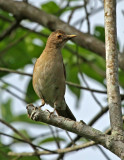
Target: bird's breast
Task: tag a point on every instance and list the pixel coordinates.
(48, 78)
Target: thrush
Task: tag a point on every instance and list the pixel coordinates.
(49, 74)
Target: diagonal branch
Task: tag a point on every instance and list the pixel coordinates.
(52, 22)
(13, 94)
(79, 128)
(67, 124)
(14, 71)
(8, 31)
(68, 83)
(58, 151)
(21, 135)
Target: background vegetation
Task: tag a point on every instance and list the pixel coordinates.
(21, 42)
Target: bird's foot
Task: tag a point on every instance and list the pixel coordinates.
(43, 103)
(31, 107)
(51, 113)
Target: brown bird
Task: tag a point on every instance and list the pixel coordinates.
(49, 74)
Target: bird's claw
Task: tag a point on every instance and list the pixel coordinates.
(50, 113)
(31, 110)
(43, 103)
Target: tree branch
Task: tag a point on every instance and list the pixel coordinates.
(34, 14)
(64, 123)
(114, 99)
(87, 15)
(68, 83)
(24, 141)
(58, 151)
(13, 26)
(13, 94)
(14, 71)
(52, 22)
(21, 135)
(10, 45)
(116, 146)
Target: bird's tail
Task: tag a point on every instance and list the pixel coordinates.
(66, 113)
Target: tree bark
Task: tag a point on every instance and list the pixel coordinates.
(114, 98)
(114, 144)
(27, 11)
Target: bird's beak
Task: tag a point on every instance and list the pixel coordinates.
(71, 36)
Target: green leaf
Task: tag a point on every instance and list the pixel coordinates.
(50, 7)
(3, 152)
(89, 71)
(51, 139)
(23, 132)
(99, 32)
(121, 77)
(4, 24)
(89, 63)
(72, 75)
(22, 53)
(30, 93)
(6, 110)
(71, 68)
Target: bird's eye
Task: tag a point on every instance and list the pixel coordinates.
(59, 36)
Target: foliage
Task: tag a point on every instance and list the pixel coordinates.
(21, 48)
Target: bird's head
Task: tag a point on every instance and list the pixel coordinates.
(58, 38)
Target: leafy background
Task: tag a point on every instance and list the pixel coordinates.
(19, 51)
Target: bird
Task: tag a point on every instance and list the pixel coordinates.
(49, 77)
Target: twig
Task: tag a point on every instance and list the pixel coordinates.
(82, 76)
(85, 88)
(98, 115)
(87, 16)
(10, 45)
(103, 152)
(25, 28)
(93, 95)
(13, 86)
(14, 71)
(58, 151)
(83, 59)
(55, 138)
(16, 88)
(13, 94)
(20, 134)
(69, 83)
(44, 134)
(72, 12)
(12, 128)
(24, 141)
(13, 26)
